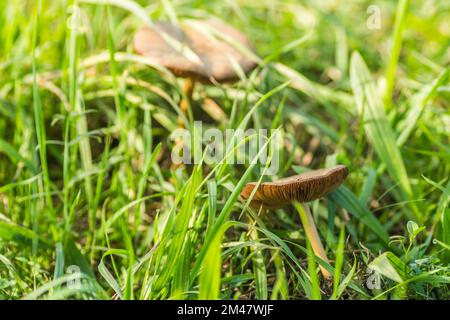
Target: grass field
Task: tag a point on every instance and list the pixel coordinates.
(92, 208)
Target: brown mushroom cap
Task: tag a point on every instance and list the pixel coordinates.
(304, 187)
(214, 54)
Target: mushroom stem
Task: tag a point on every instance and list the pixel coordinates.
(313, 236)
(188, 89)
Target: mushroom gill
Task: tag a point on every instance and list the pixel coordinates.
(303, 188)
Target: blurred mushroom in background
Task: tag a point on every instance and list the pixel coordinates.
(212, 52)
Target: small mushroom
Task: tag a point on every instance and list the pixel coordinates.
(301, 189)
(215, 55)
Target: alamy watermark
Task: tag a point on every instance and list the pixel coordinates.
(373, 280)
(74, 277)
(373, 21)
(234, 146)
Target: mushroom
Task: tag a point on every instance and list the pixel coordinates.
(213, 60)
(301, 189)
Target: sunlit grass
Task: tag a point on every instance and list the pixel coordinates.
(86, 179)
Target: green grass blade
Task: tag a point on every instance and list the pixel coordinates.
(377, 127)
(259, 269)
(312, 271)
(210, 277)
(339, 253)
(348, 200)
(11, 232)
(400, 24)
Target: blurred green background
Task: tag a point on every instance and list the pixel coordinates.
(91, 208)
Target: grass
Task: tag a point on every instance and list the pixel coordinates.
(86, 181)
